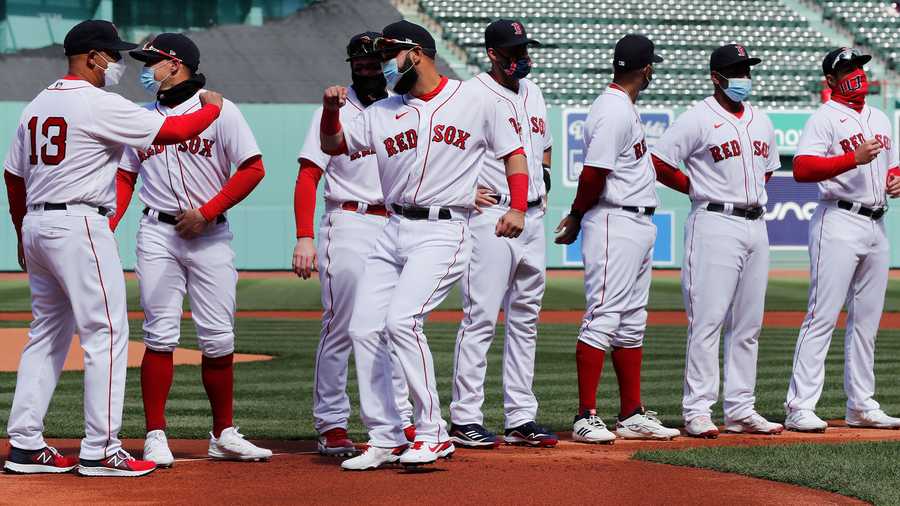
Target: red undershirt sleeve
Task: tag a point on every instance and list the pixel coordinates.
(329, 125)
(177, 129)
(125, 181)
(812, 169)
(590, 186)
(671, 176)
(15, 192)
(305, 198)
(238, 186)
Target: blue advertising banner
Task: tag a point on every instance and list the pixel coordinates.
(790, 207)
(663, 250)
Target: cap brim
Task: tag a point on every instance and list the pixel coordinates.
(121, 45)
(746, 61)
(145, 56)
(657, 58)
(863, 59)
(528, 42)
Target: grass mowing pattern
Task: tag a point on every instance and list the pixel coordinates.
(869, 471)
(274, 399)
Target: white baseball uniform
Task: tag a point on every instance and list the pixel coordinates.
(346, 237)
(726, 259)
(177, 178)
(67, 148)
(503, 272)
(849, 257)
(415, 262)
(617, 245)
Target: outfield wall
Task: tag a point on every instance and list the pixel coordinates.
(263, 224)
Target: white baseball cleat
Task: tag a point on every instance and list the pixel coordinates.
(872, 419)
(231, 445)
(702, 427)
(372, 457)
(589, 428)
(156, 449)
(422, 452)
(644, 425)
(804, 420)
(753, 424)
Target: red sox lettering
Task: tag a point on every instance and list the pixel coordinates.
(732, 148)
(538, 125)
(640, 149)
(196, 146)
(850, 144)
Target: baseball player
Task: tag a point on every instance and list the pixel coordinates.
(728, 148)
(184, 243)
(354, 216)
(60, 169)
(505, 272)
(846, 147)
(429, 141)
(614, 204)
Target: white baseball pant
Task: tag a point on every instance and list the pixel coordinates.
(410, 272)
(617, 247)
(726, 266)
(345, 240)
(507, 273)
(849, 261)
(168, 267)
(77, 284)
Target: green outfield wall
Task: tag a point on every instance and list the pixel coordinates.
(263, 224)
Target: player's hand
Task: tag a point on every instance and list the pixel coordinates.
(567, 230)
(867, 152)
(211, 97)
(511, 224)
(190, 224)
(21, 253)
(305, 258)
(893, 186)
(484, 199)
(335, 97)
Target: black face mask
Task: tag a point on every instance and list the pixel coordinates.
(408, 80)
(648, 78)
(369, 89)
(181, 91)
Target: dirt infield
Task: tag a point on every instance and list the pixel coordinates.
(570, 474)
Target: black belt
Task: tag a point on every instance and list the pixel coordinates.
(649, 211)
(750, 213)
(48, 206)
(869, 212)
(531, 203)
(419, 213)
(172, 220)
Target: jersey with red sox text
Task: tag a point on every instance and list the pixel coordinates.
(835, 129)
(348, 178)
(614, 139)
(70, 140)
(188, 174)
(726, 157)
(530, 121)
(430, 152)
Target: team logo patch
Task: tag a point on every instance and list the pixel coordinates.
(741, 51)
(517, 28)
(848, 85)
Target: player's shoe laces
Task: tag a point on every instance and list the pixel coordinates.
(702, 427)
(231, 445)
(336, 443)
(531, 434)
(872, 419)
(753, 424)
(373, 457)
(588, 428)
(156, 449)
(45, 460)
(472, 435)
(644, 425)
(119, 464)
(422, 452)
(804, 420)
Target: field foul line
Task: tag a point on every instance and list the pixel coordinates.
(201, 459)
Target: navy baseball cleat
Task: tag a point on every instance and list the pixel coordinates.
(531, 434)
(118, 464)
(472, 435)
(45, 460)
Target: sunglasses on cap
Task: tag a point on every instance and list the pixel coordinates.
(163, 55)
(846, 55)
(388, 45)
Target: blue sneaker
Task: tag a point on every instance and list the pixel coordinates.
(531, 434)
(472, 435)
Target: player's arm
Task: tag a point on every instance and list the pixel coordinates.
(512, 223)
(305, 256)
(177, 129)
(331, 132)
(546, 163)
(813, 169)
(670, 176)
(677, 144)
(125, 181)
(591, 183)
(15, 193)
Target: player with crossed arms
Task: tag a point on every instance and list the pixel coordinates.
(184, 243)
(845, 147)
(728, 148)
(504, 272)
(430, 140)
(614, 204)
(354, 217)
(61, 169)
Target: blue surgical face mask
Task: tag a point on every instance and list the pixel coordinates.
(738, 88)
(391, 73)
(148, 81)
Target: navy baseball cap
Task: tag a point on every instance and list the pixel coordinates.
(362, 44)
(94, 34)
(506, 33)
(169, 46)
(731, 54)
(843, 54)
(405, 35)
(634, 51)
